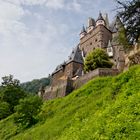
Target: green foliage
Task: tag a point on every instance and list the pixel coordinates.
(33, 86)
(105, 108)
(4, 110)
(9, 81)
(7, 128)
(122, 38)
(12, 95)
(130, 14)
(27, 110)
(97, 59)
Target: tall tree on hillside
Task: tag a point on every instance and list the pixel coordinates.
(11, 91)
(129, 12)
(9, 81)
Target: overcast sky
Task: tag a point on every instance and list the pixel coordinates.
(37, 35)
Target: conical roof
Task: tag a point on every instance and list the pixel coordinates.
(91, 22)
(83, 29)
(100, 17)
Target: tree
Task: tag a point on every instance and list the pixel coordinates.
(12, 95)
(34, 85)
(97, 59)
(122, 38)
(11, 92)
(129, 12)
(9, 81)
(27, 111)
(4, 110)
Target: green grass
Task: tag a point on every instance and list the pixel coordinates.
(104, 109)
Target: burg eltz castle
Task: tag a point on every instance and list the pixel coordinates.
(70, 74)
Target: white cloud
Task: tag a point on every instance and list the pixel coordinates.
(26, 52)
(33, 42)
(75, 5)
(10, 11)
(26, 2)
(55, 4)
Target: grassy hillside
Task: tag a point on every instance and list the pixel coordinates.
(105, 108)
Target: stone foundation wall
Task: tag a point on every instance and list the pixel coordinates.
(61, 89)
(96, 73)
(64, 87)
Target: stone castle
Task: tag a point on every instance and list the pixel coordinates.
(70, 74)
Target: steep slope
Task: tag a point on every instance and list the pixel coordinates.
(104, 108)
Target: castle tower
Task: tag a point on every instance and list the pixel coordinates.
(83, 32)
(91, 24)
(100, 20)
(106, 20)
(96, 37)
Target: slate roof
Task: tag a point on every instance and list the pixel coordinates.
(115, 24)
(75, 56)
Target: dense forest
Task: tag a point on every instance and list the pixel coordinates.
(34, 85)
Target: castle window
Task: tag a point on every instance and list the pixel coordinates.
(90, 43)
(95, 40)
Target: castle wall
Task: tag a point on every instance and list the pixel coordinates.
(118, 57)
(98, 72)
(97, 38)
(77, 66)
(68, 71)
(66, 86)
(57, 76)
(60, 90)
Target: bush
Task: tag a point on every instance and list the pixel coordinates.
(97, 59)
(27, 111)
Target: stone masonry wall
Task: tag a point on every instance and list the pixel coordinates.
(61, 89)
(97, 38)
(64, 87)
(98, 72)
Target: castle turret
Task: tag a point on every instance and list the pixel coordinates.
(83, 32)
(100, 20)
(106, 20)
(91, 24)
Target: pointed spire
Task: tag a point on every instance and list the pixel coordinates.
(91, 22)
(100, 17)
(106, 20)
(83, 29)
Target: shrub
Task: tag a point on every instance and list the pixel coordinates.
(27, 111)
(97, 59)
